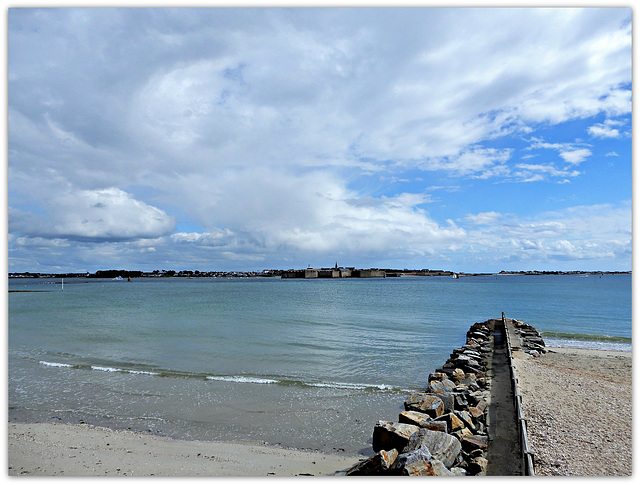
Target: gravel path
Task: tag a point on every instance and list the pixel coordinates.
(579, 408)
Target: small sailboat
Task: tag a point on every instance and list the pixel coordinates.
(455, 276)
(118, 278)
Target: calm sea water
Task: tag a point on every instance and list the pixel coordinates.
(303, 363)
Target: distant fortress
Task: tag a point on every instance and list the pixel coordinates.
(352, 272)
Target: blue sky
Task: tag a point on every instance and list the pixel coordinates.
(242, 139)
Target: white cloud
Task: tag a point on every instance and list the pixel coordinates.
(474, 161)
(605, 130)
(577, 156)
(526, 172)
(312, 212)
(99, 215)
(569, 152)
(483, 218)
(592, 234)
(217, 238)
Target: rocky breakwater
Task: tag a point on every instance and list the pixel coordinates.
(532, 342)
(443, 430)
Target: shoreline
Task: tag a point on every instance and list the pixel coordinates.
(568, 398)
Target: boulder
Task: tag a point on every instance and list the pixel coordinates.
(433, 468)
(442, 446)
(478, 335)
(469, 382)
(380, 463)
(458, 374)
(388, 435)
(462, 433)
(453, 422)
(474, 442)
(421, 453)
(422, 420)
(460, 401)
(482, 403)
(466, 418)
(438, 376)
(448, 400)
(472, 354)
(475, 412)
(425, 403)
(478, 466)
(420, 462)
(441, 387)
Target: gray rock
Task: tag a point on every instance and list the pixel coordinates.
(454, 423)
(442, 387)
(380, 463)
(466, 418)
(388, 435)
(448, 400)
(469, 382)
(474, 442)
(458, 374)
(431, 468)
(460, 401)
(442, 446)
(458, 472)
(438, 376)
(422, 420)
(420, 463)
(425, 403)
(421, 453)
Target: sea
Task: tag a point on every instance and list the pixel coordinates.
(306, 364)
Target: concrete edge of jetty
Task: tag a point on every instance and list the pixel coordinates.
(468, 420)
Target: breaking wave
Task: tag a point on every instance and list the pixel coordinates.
(238, 379)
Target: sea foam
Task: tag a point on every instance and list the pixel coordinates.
(243, 379)
(54, 364)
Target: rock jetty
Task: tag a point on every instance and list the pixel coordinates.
(443, 430)
(532, 342)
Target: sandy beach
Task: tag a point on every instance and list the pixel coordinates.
(578, 404)
(46, 449)
(579, 409)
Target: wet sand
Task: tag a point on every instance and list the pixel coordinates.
(46, 449)
(578, 404)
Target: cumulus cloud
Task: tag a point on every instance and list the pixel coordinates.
(605, 130)
(312, 212)
(93, 215)
(577, 156)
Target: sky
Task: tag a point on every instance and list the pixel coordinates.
(216, 139)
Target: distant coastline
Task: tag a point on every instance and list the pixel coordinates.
(307, 273)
